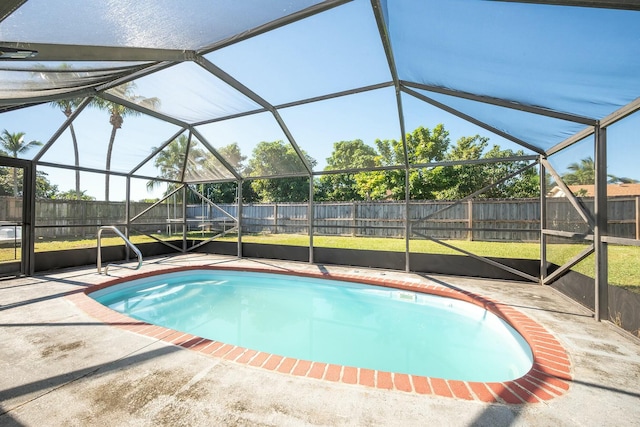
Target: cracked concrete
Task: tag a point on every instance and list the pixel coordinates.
(61, 367)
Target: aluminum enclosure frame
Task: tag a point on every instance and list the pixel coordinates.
(163, 58)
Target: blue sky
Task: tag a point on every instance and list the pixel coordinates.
(339, 50)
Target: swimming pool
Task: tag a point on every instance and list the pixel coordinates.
(335, 322)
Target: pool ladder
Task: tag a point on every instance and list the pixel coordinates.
(128, 243)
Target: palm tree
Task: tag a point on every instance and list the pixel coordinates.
(117, 113)
(68, 106)
(582, 173)
(171, 160)
(613, 179)
(14, 144)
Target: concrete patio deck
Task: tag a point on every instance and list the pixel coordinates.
(62, 366)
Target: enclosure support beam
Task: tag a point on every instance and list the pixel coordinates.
(588, 131)
(29, 219)
(543, 221)
(407, 222)
(577, 204)
(127, 216)
(61, 129)
(228, 79)
(9, 7)
(600, 229)
(569, 264)
(386, 44)
(213, 151)
(311, 219)
(142, 109)
(612, 118)
(481, 258)
(239, 215)
(294, 17)
(156, 151)
(155, 204)
(475, 193)
(470, 119)
(621, 113)
(80, 52)
(502, 103)
(608, 4)
(184, 218)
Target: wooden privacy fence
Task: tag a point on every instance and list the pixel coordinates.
(489, 220)
(80, 218)
(478, 219)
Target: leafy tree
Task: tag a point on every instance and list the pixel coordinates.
(580, 173)
(117, 113)
(15, 144)
(424, 146)
(44, 188)
(73, 195)
(463, 180)
(226, 192)
(523, 185)
(273, 158)
(346, 155)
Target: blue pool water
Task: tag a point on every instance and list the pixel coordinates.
(330, 321)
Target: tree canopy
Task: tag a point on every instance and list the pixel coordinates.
(278, 157)
(347, 177)
(425, 146)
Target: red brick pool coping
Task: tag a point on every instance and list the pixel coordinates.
(549, 377)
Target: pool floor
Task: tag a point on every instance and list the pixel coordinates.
(548, 378)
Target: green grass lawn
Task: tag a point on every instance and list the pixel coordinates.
(624, 261)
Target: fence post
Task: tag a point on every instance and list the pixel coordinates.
(470, 219)
(275, 218)
(637, 217)
(354, 214)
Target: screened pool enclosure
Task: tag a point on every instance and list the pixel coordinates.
(484, 138)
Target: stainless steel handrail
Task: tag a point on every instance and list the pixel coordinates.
(128, 243)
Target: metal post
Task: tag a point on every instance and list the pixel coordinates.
(184, 218)
(310, 218)
(543, 222)
(407, 220)
(127, 216)
(239, 216)
(600, 229)
(28, 265)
